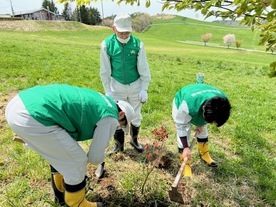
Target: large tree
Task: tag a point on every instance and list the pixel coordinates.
(50, 5)
(67, 12)
(258, 14)
(87, 15)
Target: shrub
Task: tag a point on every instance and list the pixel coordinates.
(206, 38)
(238, 44)
(229, 39)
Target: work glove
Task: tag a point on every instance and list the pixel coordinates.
(110, 94)
(143, 96)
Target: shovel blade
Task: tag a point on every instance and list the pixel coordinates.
(176, 196)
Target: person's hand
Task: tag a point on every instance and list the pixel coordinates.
(187, 153)
(143, 96)
(110, 94)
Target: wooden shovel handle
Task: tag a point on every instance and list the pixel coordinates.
(180, 171)
(179, 174)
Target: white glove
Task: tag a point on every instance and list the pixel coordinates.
(110, 94)
(143, 96)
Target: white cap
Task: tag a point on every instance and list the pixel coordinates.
(122, 22)
(128, 109)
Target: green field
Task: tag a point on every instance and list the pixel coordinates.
(244, 146)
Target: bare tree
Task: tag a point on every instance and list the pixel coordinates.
(141, 21)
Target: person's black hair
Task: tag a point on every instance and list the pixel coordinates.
(217, 110)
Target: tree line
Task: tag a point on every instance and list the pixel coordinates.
(83, 14)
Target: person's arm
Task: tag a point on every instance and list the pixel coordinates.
(182, 121)
(143, 67)
(105, 129)
(105, 68)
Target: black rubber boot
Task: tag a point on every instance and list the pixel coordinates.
(134, 131)
(57, 185)
(119, 138)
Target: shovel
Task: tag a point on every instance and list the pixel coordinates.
(174, 194)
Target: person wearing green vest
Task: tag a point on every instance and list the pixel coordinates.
(52, 119)
(198, 105)
(125, 75)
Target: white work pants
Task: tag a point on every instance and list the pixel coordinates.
(51, 142)
(129, 93)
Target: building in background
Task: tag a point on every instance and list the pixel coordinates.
(38, 14)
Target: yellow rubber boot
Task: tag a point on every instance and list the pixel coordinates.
(204, 153)
(57, 185)
(187, 172)
(77, 198)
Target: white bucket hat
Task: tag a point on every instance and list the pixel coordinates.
(129, 113)
(122, 22)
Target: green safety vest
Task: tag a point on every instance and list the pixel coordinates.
(195, 95)
(123, 58)
(75, 109)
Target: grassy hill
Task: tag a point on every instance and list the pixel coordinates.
(36, 26)
(244, 146)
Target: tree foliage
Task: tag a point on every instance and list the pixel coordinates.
(50, 5)
(67, 12)
(87, 15)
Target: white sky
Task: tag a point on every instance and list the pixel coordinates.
(106, 8)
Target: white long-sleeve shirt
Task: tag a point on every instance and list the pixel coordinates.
(142, 67)
(105, 129)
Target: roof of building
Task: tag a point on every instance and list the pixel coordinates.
(33, 11)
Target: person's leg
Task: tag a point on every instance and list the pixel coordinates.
(119, 94)
(202, 143)
(58, 186)
(119, 138)
(75, 196)
(133, 91)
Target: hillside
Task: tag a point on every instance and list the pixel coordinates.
(35, 26)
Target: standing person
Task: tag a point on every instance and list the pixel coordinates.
(198, 104)
(125, 75)
(52, 119)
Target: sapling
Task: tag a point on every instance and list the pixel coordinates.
(154, 153)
